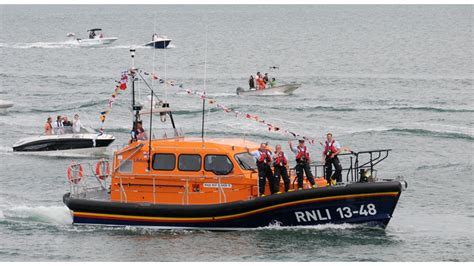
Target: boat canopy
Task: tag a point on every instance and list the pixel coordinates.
(95, 29)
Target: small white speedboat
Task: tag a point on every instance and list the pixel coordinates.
(65, 142)
(4, 105)
(96, 39)
(277, 90)
(159, 41)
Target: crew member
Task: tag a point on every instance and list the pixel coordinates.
(280, 164)
(331, 149)
(48, 127)
(302, 163)
(264, 159)
(140, 132)
(252, 83)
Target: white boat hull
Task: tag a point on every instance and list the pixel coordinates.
(82, 144)
(96, 42)
(82, 153)
(277, 90)
(4, 106)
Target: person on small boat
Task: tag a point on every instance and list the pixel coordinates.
(140, 132)
(331, 149)
(76, 124)
(154, 37)
(260, 83)
(48, 127)
(91, 35)
(266, 79)
(66, 122)
(58, 126)
(280, 164)
(302, 163)
(272, 83)
(251, 83)
(264, 160)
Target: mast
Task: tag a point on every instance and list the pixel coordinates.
(135, 108)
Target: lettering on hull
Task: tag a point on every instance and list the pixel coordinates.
(313, 216)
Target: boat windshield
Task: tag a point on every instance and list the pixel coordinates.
(246, 161)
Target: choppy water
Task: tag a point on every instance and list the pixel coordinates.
(397, 77)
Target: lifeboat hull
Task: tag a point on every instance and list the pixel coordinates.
(363, 203)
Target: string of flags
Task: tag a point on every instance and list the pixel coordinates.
(120, 85)
(202, 95)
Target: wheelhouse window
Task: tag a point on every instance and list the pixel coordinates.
(218, 164)
(164, 161)
(189, 162)
(246, 161)
(126, 166)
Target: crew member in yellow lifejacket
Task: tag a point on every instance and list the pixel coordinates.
(280, 169)
(264, 159)
(302, 163)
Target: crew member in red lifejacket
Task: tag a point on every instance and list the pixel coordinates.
(331, 149)
(302, 163)
(264, 160)
(280, 164)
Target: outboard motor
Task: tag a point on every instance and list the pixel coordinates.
(239, 90)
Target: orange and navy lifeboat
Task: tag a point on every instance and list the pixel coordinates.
(199, 183)
(213, 184)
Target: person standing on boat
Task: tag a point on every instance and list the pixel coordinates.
(140, 132)
(331, 149)
(48, 127)
(76, 124)
(264, 160)
(266, 79)
(302, 163)
(280, 164)
(58, 125)
(251, 83)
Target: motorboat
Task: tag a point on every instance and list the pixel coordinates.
(178, 182)
(96, 39)
(276, 90)
(65, 142)
(4, 106)
(159, 41)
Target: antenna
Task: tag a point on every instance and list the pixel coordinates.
(152, 96)
(204, 93)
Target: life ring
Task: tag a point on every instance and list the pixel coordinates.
(75, 173)
(102, 169)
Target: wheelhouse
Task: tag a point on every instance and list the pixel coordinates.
(184, 170)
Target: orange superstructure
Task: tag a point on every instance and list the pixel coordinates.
(185, 171)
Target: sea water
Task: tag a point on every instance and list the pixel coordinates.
(398, 77)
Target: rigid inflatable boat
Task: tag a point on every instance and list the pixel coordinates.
(276, 90)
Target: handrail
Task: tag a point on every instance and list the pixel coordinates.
(173, 177)
(138, 147)
(131, 148)
(355, 165)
